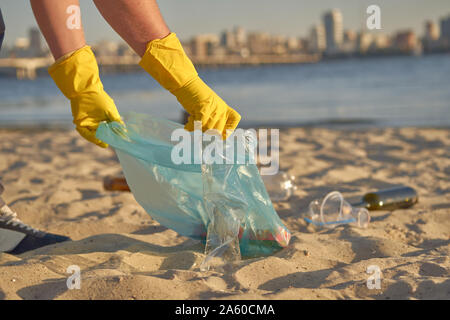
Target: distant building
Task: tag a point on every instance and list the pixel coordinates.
(124, 50)
(293, 44)
(431, 36)
(445, 27)
(405, 41)
(205, 45)
(431, 31)
(317, 40)
(304, 44)
(350, 36)
(278, 44)
(240, 36)
(334, 30)
(381, 42)
(445, 32)
(228, 40)
(106, 48)
(259, 43)
(364, 41)
(350, 41)
(20, 48)
(35, 43)
(21, 44)
(233, 41)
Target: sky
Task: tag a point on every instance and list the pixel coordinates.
(286, 17)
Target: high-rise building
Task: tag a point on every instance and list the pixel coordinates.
(227, 39)
(317, 40)
(234, 40)
(35, 47)
(364, 41)
(405, 41)
(430, 39)
(259, 43)
(349, 43)
(445, 28)
(293, 44)
(278, 44)
(204, 45)
(106, 48)
(350, 36)
(381, 41)
(240, 36)
(431, 31)
(124, 50)
(334, 30)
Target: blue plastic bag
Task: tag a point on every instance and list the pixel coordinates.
(201, 201)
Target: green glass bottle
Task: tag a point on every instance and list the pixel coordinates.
(389, 199)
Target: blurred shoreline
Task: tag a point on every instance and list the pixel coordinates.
(337, 125)
(34, 68)
(360, 93)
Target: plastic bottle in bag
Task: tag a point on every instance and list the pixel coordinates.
(279, 186)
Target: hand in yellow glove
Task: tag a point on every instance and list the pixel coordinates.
(166, 61)
(77, 76)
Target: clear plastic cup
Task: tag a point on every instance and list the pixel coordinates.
(334, 210)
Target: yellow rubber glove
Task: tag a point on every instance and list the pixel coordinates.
(77, 76)
(166, 61)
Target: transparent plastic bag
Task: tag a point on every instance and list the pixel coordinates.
(228, 200)
(334, 210)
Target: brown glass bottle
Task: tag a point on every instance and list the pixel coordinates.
(115, 184)
(389, 199)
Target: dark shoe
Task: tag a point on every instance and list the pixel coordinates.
(17, 237)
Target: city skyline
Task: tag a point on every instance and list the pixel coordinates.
(327, 35)
(401, 15)
(235, 46)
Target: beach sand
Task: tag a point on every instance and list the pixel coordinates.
(53, 179)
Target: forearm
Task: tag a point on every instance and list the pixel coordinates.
(136, 21)
(52, 17)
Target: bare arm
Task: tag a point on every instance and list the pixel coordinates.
(140, 24)
(75, 70)
(136, 21)
(52, 17)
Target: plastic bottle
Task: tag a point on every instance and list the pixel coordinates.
(280, 186)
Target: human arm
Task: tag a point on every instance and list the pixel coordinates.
(141, 25)
(75, 70)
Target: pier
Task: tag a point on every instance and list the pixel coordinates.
(26, 68)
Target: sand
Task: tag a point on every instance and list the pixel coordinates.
(53, 180)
